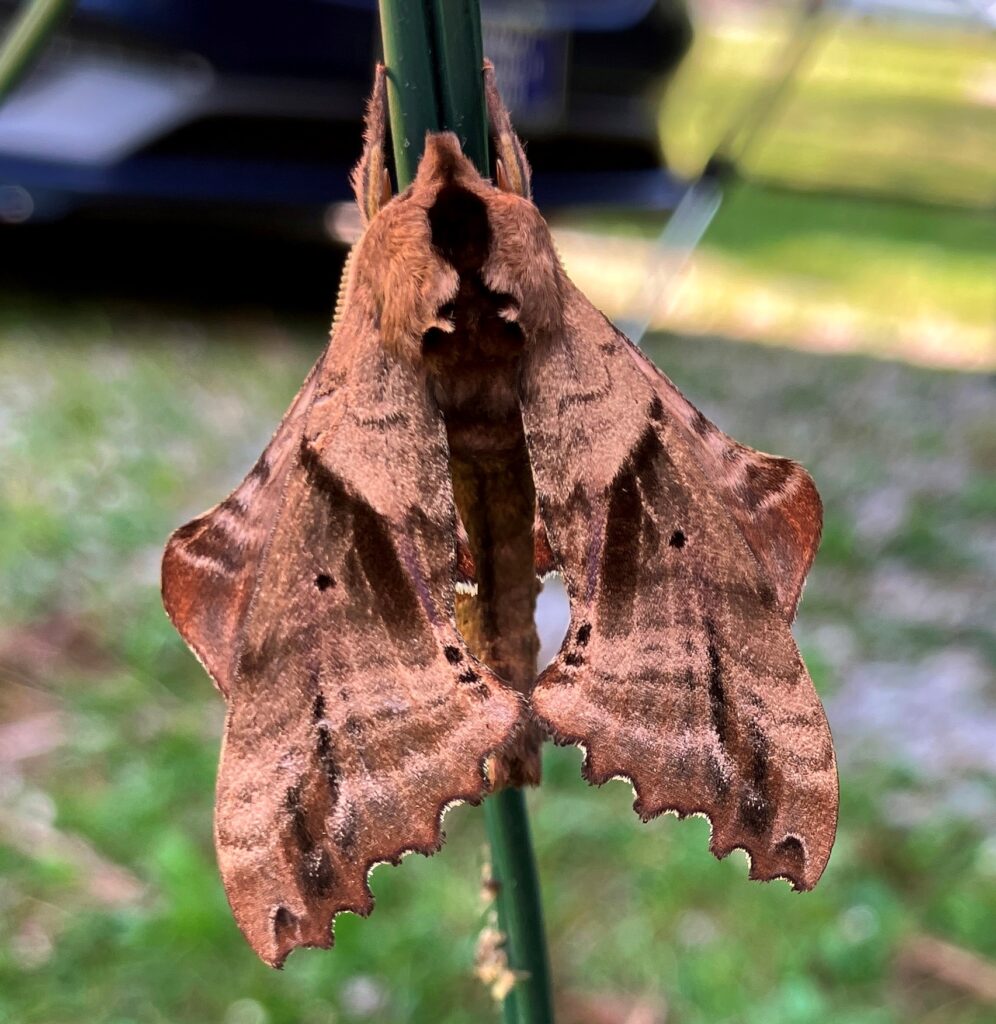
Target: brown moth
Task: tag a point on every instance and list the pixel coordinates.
(319, 594)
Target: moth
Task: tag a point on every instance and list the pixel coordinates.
(320, 594)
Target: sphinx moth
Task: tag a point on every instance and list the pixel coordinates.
(320, 594)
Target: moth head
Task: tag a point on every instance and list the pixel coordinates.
(452, 223)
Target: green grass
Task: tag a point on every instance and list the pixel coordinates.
(903, 109)
(106, 446)
(827, 272)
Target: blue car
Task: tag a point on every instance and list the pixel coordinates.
(250, 111)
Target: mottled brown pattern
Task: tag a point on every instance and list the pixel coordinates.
(687, 570)
(320, 594)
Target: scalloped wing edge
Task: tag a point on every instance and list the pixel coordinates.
(718, 849)
(394, 858)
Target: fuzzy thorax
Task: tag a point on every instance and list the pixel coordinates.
(449, 222)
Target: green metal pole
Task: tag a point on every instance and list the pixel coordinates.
(411, 82)
(459, 59)
(29, 32)
(433, 54)
(520, 913)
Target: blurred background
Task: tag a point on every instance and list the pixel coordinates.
(799, 203)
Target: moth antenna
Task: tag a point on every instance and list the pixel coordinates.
(370, 179)
(512, 169)
(340, 299)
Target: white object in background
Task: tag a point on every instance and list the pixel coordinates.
(97, 112)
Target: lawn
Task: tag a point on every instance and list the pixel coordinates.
(887, 107)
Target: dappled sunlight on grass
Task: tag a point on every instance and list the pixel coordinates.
(876, 230)
(906, 109)
(824, 273)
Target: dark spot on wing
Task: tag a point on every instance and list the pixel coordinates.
(453, 655)
(656, 409)
(260, 472)
(314, 870)
(573, 659)
(677, 539)
(468, 676)
(254, 659)
(717, 696)
(791, 850)
(621, 561)
(766, 595)
(580, 398)
(323, 748)
(348, 832)
(755, 813)
(235, 505)
(393, 591)
(716, 776)
(315, 874)
(756, 806)
(284, 920)
(324, 581)
(583, 634)
(216, 542)
(374, 555)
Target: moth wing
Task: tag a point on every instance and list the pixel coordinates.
(356, 714)
(210, 564)
(772, 500)
(679, 672)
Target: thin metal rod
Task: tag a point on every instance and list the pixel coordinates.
(432, 50)
(520, 913)
(412, 96)
(30, 31)
(460, 57)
